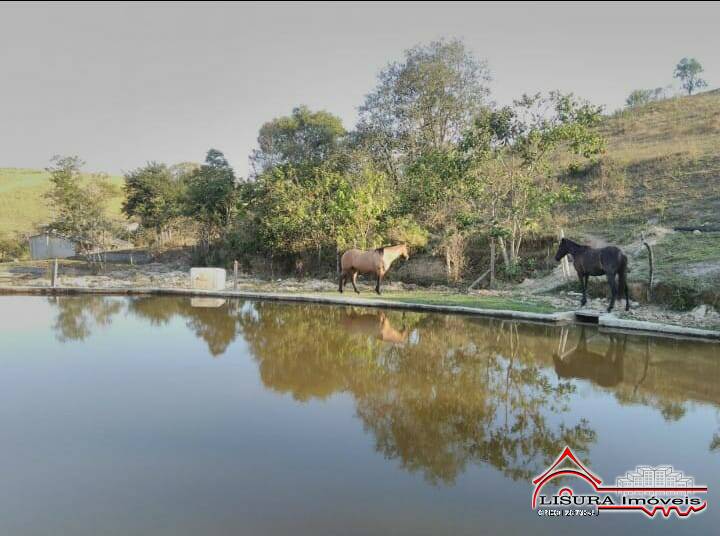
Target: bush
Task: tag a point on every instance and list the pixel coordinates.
(13, 248)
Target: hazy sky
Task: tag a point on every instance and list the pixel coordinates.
(122, 84)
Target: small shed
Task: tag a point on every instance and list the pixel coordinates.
(51, 246)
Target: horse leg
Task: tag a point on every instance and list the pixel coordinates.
(583, 285)
(354, 280)
(613, 290)
(377, 285)
(343, 281)
(624, 287)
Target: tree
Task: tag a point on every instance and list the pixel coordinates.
(424, 102)
(154, 194)
(304, 139)
(334, 210)
(640, 97)
(79, 203)
(688, 72)
(508, 152)
(211, 198)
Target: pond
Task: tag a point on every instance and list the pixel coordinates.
(178, 416)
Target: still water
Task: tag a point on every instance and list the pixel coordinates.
(172, 416)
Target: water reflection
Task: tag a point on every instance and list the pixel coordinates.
(601, 363)
(438, 392)
(77, 317)
(215, 322)
(375, 324)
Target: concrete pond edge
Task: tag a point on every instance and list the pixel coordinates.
(564, 317)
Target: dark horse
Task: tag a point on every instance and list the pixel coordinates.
(609, 261)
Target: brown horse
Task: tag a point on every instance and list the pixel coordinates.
(609, 261)
(374, 261)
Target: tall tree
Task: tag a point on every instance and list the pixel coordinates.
(303, 139)
(423, 102)
(688, 71)
(211, 197)
(154, 194)
(79, 203)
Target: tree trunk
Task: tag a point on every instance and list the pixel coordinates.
(492, 262)
(504, 252)
(448, 270)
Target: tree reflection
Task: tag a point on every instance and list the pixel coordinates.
(77, 316)
(459, 392)
(437, 392)
(213, 321)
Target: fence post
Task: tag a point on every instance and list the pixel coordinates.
(235, 274)
(53, 279)
(565, 264)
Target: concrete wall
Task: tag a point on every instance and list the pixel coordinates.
(48, 246)
(207, 278)
(137, 257)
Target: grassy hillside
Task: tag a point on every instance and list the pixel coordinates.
(22, 206)
(661, 170)
(662, 167)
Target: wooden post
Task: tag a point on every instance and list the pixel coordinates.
(477, 281)
(565, 263)
(651, 260)
(235, 274)
(53, 278)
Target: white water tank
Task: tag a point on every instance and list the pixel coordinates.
(207, 278)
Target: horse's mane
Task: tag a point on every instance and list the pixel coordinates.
(581, 246)
(380, 250)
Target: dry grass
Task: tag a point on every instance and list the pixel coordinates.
(662, 166)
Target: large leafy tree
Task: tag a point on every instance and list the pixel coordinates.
(688, 71)
(304, 139)
(154, 194)
(211, 198)
(423, 102)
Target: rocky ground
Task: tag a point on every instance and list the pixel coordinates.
(177, 276)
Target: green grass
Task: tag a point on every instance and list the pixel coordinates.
(22, 205)
(465, 300)
(686, 259)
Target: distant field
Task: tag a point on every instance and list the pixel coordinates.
(22, 206)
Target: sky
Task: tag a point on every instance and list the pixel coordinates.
(122, 84)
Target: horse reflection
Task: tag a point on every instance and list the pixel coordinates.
(581, 362)
(375, 325)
